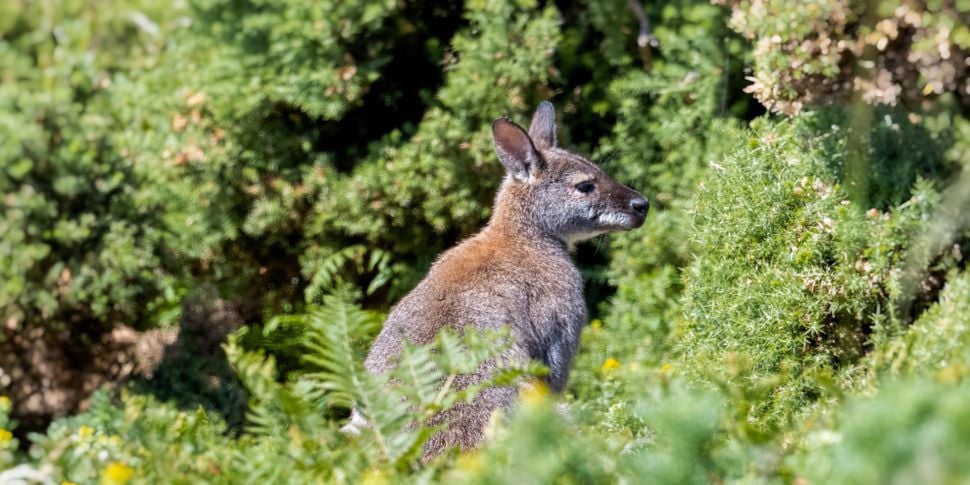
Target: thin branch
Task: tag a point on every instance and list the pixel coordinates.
(645, 38)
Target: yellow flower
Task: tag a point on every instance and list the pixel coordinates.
(610, 365)
(85, 432)
(374, 476)
(117, 473)
(951, 374)
(596, 324)
(5, 404)
(666, 368)
(471, 463)
(68, 483)
(5, 437)
(534, 393)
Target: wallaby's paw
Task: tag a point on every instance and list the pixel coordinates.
(356, 425)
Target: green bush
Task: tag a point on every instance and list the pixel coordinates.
(879, 52)
(669, 128)
(302, 139)
(439, 182)
(789, 272)
(682, 434)
(308, 55)
(910, 431)
(292, 422)
(937, 341)
(7, 441)
(84, 239)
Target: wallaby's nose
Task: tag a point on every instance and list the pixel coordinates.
(639, 205)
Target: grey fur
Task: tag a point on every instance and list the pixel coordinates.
(517, 271)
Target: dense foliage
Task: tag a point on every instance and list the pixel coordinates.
(907, 52)
(795, 308)
(84, 233)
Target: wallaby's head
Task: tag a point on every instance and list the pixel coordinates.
(561, 193)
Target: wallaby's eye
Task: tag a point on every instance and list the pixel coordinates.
(585, 187)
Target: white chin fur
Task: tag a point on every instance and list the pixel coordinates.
(615, 219)
(576, 238)
(610, 221)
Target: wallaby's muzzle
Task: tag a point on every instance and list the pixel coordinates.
(640, 205)
(627, 210)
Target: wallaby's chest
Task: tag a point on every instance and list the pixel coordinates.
(538, 291)
(555, 298)
(555, 312)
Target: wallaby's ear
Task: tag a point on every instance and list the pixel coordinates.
(543, 127)
(515, 150)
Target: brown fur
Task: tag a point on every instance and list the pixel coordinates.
(516, 272)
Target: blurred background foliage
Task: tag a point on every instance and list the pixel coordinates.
(278, 172)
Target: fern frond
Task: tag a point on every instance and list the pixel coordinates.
(395, 406)
(380, 263)
(420, 377)
(332, 342)
(258, 373)
(466, 352)
(324, 273)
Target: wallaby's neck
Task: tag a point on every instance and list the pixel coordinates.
(513, 223)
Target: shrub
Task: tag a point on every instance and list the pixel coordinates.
(96, 231)
(412, 194)
(292, 423)
(7, 441)
(301, 139)
(789, 272)
(912, 430)
(83, 233)
(682, 432)
(308, 55)
(238, 144)
(882, 52)
(937, 341)
(669, 126)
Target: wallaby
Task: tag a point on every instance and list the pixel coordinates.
(517, 271)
